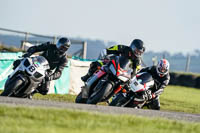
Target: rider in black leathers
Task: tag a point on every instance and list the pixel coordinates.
(57, 58)
(160, 74)
(133, 52)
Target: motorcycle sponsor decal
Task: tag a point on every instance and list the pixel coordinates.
(36, 64)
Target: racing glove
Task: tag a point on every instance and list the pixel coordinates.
(149, 95)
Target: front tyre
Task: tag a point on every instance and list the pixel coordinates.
(11, 87)
(100, 93)
(79, 99)
(120, 100)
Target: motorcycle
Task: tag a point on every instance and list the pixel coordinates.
(26, 77)
(136, 94)
(107, 81)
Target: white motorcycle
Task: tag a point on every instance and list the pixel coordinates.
(26, 77)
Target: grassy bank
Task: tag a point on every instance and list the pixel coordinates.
(40, 120)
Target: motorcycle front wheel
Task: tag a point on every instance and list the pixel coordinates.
(120, 100)
(79, 99)
(10, 87)
(100, 93)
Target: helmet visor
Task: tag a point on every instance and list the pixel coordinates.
(162, 69)
(138, 52)
(63, 49)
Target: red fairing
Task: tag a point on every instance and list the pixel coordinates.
(116, 67)
(118, 70)
(118, 89)
(145, 85)
(114, 63)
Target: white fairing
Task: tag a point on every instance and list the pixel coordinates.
(33, 67)
(123, 78)
(136, 85)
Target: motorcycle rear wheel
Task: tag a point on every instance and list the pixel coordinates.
(11, 87)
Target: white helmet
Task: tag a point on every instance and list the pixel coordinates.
(162, 67)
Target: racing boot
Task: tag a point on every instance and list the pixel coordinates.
(94, 66)
(85, 78)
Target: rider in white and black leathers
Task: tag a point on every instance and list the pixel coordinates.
(160, 74)
(57, 58)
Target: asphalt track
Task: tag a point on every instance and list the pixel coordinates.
(103, 109)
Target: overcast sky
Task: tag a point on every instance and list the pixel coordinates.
(164, 25)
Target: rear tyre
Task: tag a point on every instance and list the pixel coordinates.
(119, 100)
(79, 99)
(11, 87)
(100, 94)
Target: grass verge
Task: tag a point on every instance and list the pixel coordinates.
(40, 120)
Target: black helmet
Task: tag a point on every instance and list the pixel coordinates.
(137, 47)
(63, 44)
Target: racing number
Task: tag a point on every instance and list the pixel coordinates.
(31, 69)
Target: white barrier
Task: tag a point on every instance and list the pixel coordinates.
(77, 70)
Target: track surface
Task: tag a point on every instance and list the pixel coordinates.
(103, 109)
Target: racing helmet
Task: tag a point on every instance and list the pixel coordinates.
(162, 67)
(63, 44)
(137, 47)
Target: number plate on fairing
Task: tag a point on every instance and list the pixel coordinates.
(136, 86)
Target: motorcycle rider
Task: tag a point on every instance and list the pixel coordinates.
(133, 52)
(160, 74)
(57, 58)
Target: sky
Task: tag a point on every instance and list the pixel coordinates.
(163, 25)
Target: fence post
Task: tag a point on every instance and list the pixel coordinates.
(84, 50)
(26, 36)
(187, 63)
(155, 60)
(54, 39)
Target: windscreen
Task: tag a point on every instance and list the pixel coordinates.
(40, 60)
(145, 77)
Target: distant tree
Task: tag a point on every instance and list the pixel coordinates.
(178, 55)
(197, 52)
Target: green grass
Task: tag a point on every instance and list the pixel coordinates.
(55, 97)
(182, 99)
(41, 120)
(174, 98)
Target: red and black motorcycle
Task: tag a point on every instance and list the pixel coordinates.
(107, 81)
